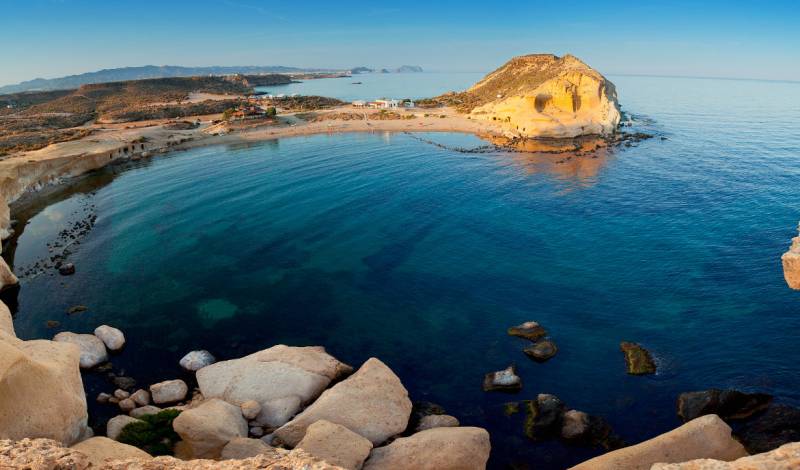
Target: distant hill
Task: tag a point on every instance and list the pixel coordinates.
(139, 73)
(409, 69)
(361, 70)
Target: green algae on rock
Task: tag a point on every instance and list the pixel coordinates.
(637, 359)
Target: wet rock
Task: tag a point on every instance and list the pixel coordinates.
(372, 402)
(121, 394)
(463, 448)
(77, 309)
(529, 330)
(93, 351)
(510, 408)
(144, 411)
(543, 417)
(103, 397)
(196, 360)
(574, 425)
(437, 421)
(141, 397)
(123, 382)
(335, 444)
(542, 350)
(779, 425)
(52, 323)
(638, 360)
(206, 429)
(67, 269)
(505, 380)
(111, 337)
(115, 425)
(250, 409)
(168, 391)
(727, 404)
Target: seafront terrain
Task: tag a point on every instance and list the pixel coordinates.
(211, 272)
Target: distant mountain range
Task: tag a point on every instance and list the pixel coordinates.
(401, 69)
(147, 71)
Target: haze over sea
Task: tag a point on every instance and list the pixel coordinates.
(383, 245)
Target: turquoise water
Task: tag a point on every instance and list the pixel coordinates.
(382, 245)
(382, 85)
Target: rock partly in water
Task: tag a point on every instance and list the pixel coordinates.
(574, 424)
(93, 351)
(41, 392)
(66, 269)
(281, 379)
(786, 457)
(704, 437)
(637, 359)
(791, 264)
(543, 417)
(335, 444)
(100, 450)
(779, 425)
(529, 330)
(244, 448)
(542, 350)
(505, 380)
(437, 421)
(168, 391)
(206, 429)
(464, 448)
(111, 337)
(115, 425)
(727, 404)
(372, 402)
(196, 360)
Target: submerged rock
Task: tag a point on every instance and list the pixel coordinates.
(528, 330)
(168, 391)
(464, 448)
(638, 359)
(727, 404)
(111, 337)
(505, 380)
(206, 429)
(93, 351)
(542, 350)
(543, 417)
(196, 360)
(66, 269)
(779, 425)
(336, 445)
(372, 402)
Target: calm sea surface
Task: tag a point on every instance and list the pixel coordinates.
(382, 245)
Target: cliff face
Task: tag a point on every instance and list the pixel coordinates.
(543, 95)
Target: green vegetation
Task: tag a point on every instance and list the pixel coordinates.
(305, 103)
(272, 111)
(153, 434)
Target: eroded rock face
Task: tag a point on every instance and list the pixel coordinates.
(464, 448)
(372, 402)
(281, 379)
(40, 380)
(791, 264)
(786, 457)
(206, 429)
(93, 351)
(704, 437)
(335, 444)
(542, 95)
(99, 450)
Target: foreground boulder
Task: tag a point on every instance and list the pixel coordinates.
(41, 392)
(205, 430)
(93, 351)
(281, 379)
(99, 450)
(336, 444)
(372, 402)
(704, 437)
(112, 337)
(791, 264)
(464, 448)
(637, 359)
(727, 404)
(779, 425)
(786, 457)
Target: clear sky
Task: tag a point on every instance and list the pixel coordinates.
(732, 38)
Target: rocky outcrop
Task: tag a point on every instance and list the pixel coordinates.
(541, 350)
(779, 425)
(372, 402)
(637, 359)
(529, 330)
(791, 264)
(206, 429)
(335, 444)
(99, 450)
(786, 457)
(435, 449)
(40, 381)
(542, 95)
(505, 380)
(281, 379)
(92, 350)
(705, 437)
(727, 404)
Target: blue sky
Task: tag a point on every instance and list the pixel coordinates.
(737, 39)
